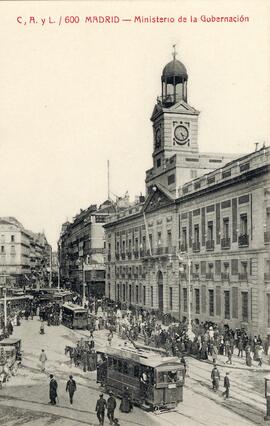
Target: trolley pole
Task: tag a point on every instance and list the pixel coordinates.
(5, 307)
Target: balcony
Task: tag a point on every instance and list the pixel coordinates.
(183, 247)
(129, 254)
(123, 255)
(225, 243)
(170, 250)
(142, 252)
(123, 275)
(210, 245)
(196, 246)
(135, 275)
(267, 276)
(195, 275)
(267, 237)
(183, 275)
(225, 276)
(117, 256)
(243, 240)
(143, 275)
(243, 276)
(209, 276)
(109, 257)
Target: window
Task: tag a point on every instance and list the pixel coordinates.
(210, 231)
(170, 298)
(169, 238)
(2, 249)
(193, 174)
(196, 233)
(244, 306)
(12, 250)
(226, 230)
(243, 224)
(158, 162)
(185, 299)
(2, 238)
(124, 292)
(137, 294)
(211, 302)
(197, 300)
(144, 295)
(152, 296)
(171, 179)
(184, 237)
(130, 294)
(151, 241)
(159, 241)
(227, 313)
(12, 238)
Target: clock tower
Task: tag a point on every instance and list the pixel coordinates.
(175, 129)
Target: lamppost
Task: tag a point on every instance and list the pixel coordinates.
(181, 258)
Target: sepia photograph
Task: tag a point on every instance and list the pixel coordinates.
(135, 213)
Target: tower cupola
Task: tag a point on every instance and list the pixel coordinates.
(174, 82)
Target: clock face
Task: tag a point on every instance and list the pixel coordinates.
(181, 134)
(158, 138)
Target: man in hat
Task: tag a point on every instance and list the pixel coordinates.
(71, 388)
(111, 406)
(53, 390)
(215, 376)
(42, 359)
(226, 385)
(100, 409)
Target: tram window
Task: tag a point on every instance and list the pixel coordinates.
(110, 362)
(120, 366)
(172, 376)
(136, 371)
(125, 368)
(115, 364)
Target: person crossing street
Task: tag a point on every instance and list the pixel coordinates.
(111, 405)
(71, 388)
(101, 405)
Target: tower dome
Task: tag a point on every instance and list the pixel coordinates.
(174, 69)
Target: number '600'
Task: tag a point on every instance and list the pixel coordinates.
(72, 19)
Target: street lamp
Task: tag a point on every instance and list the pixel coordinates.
(190, 333)
(267, 396)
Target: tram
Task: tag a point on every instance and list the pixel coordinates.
(154, 382)
(74, 316)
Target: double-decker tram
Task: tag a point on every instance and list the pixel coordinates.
(74, 316)
(153, 381)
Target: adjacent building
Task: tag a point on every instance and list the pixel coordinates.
(198, 246)
(24, 255)
(81, 248)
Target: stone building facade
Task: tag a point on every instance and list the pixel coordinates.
(24, 255)
(198, 247)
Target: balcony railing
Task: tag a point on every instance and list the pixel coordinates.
(209, 275)
(196, 246)
(195, 275)
(123, 255)
(225, 243)
(183, 247)
(267, 237)
(243, 240)
(225, 276)
(183, 275)
(243, 276)
(267, 276)
(210, 245)
(135, 275)
(129, 254)
(117, 256)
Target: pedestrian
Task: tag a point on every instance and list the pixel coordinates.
(42, 331)
(240, 348)
(71, 388)
(126, 404)
(229, 354)
(43, 358)
(110, 336)
(260, 355)
(215, 376)
(226, 385)
(53, 390)
(111, 406)
(101, 405)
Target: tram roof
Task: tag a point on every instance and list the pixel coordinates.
(143, 357)
(73, 307)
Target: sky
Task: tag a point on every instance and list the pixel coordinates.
(78, 94)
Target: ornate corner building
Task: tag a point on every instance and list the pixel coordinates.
(198, 245)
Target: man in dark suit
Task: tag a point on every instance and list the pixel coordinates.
(53, 390)
(100, 409)
(111, 405)
(226, 386)
(71, 388)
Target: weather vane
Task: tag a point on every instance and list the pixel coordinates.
(174, 52)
